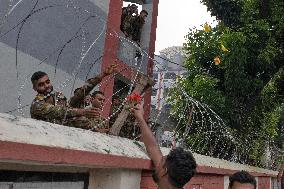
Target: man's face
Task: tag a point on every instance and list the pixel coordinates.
(134, 10)
(238, 185)
(98, 101)
(143, 15)
(116, 101)
(43, 85)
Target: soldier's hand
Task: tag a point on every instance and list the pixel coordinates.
(92, 113)
(102, 130)
(138, 111)
(111, 69)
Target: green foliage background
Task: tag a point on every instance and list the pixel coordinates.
(247, 88)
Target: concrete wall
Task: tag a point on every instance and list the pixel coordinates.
(63, 35)
(42, 185)
(112, 162)
(115, 178)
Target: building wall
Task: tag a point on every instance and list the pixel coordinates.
(206, 181)
(55, 36)
(111, 162)
(123, 49)
(264, 182)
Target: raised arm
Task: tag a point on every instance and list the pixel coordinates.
(82, 92)
(148, 138)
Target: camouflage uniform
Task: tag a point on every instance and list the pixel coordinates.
(78, 101)
(130, 129)
(114, 112)
(127, 25)
(136, 25)
(53, 108)
(124, 14)
(99, 123)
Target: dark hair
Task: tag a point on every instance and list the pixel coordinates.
(242, 177)
(37, 75)
(115, 97)
(97, 92)
(133, 5)
(181, 166)
(144, 12)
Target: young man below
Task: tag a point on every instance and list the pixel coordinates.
(242, 180)
(172, 171)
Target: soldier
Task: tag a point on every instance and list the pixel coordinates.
(83, 99)
(80, 94)
(128, 19)
(52, 106)
(100, 123)
(130, 128)
(116, 108)
(127, 12)
(136, 24)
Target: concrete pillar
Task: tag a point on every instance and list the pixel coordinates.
(114, 179)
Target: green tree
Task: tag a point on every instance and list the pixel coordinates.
(246, 88)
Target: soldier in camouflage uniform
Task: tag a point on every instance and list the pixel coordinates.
(116, 108)
(127, 12)
(83, 99)
(52, 106)
(80, 94)
(130, 129)
(136, 24)
(97, 102)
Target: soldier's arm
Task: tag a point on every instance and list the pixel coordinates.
(82, 92)
(42, 109)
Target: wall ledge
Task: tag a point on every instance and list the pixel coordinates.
(29, 141)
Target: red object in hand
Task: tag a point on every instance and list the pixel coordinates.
(134, 98)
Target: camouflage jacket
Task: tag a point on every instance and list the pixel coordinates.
(52, 108)
(99, 124)
(114, 112)
(136, 25)
(130, 129)
(77, 101)
(127, 24)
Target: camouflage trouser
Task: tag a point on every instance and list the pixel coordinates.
(130, 130)
(87, 123)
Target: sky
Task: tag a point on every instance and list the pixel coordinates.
(175, 19)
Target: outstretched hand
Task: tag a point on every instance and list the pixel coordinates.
(110, 69)
(138, 111)
(92, 113)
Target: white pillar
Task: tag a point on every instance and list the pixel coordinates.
(114, 179)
